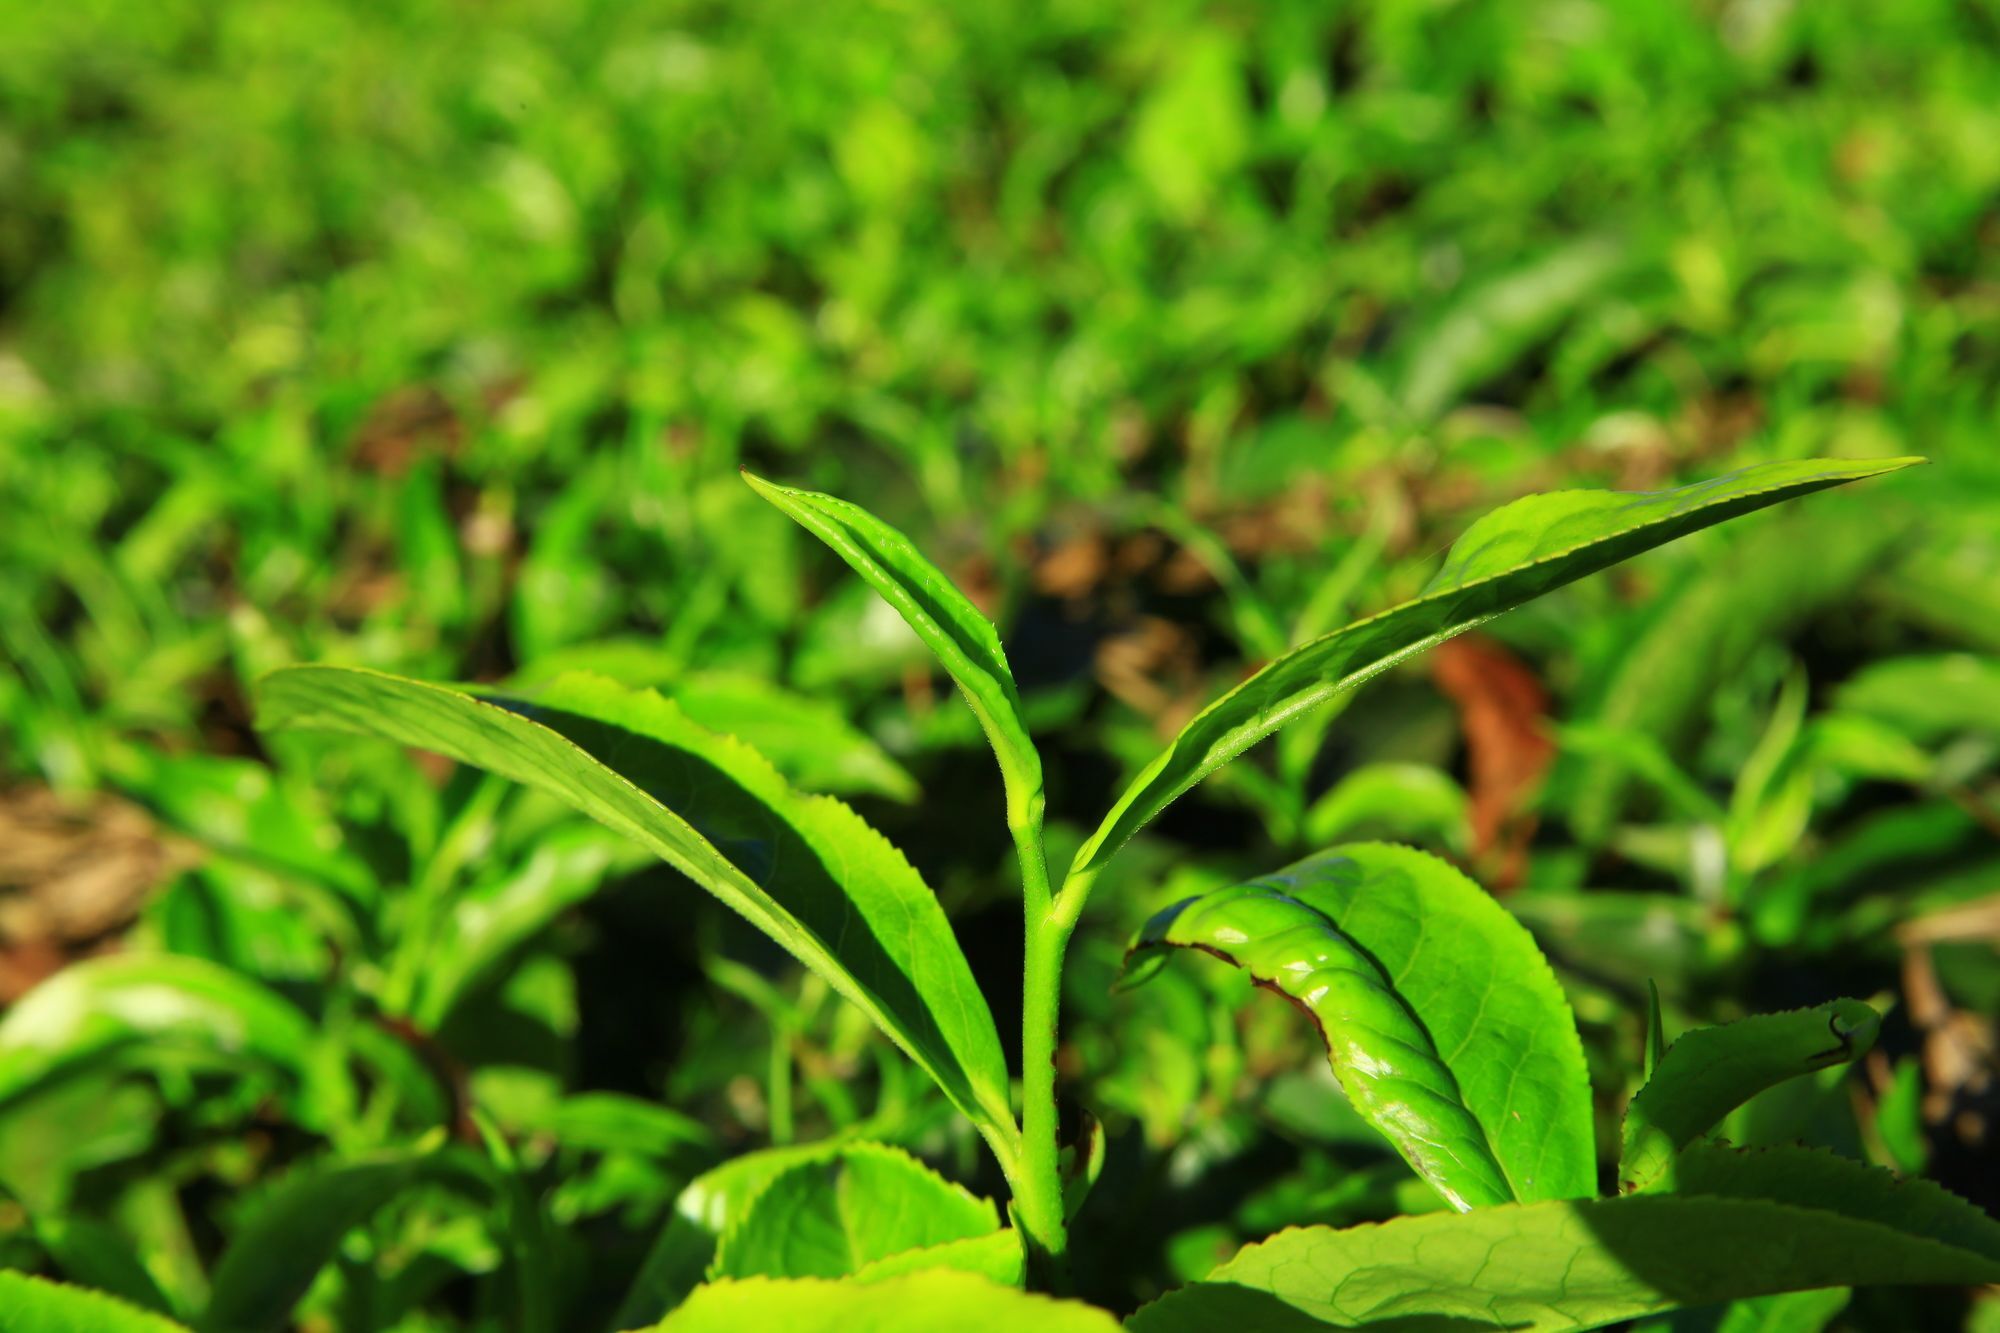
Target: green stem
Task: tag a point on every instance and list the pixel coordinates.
(780, 1091)
(1037, 1181)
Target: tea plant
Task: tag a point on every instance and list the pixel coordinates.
(1441, 1020)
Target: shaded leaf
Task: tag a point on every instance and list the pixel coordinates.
(1555, 1266)
(1441, 1018)
(1706, 1073)
(805, 870)
(292, 1232)
(495, 918)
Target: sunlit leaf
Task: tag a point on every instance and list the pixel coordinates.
(1441, 1018)
(930, 1302)
(1580, 1264)
(949, 624)
(831, 1216)
(1511, 556)
(32, 1305)
(804, 869)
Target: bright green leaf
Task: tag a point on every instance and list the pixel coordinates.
(949, 625)
(1512, 556)
(996, 1256)
(809, 740)
(1561, 1265)
(931, 1302)
(32, 1305)
(1441, 1018)
(707, 1207)
(806, 870)
(831, 1216)
(1708, 1072)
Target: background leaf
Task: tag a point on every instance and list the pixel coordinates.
(128, 1006)
(293, 1232)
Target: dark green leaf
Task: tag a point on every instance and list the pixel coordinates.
(805, 870)
(292, 1233)
(1708, 1072)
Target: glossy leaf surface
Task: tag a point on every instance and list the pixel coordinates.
(1706, 1073)
(806, 870)
(32, 1305)
(1512, 556)
(933, 1302)
(831, 1217)
(949, 624)
(1441, 1018)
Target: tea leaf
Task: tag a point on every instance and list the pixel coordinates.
(924, 1302)
(949, 624)
(997, 1257)
(708, 1206)
(831, 1216)
(1706, 1073)
(1560, 1265)
(1441, 1018)
(805, 870)
(1512, 556)
(33, 1305)
(274, 1257)
(104, 1010)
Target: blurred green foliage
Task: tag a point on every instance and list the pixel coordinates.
(429, 337)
